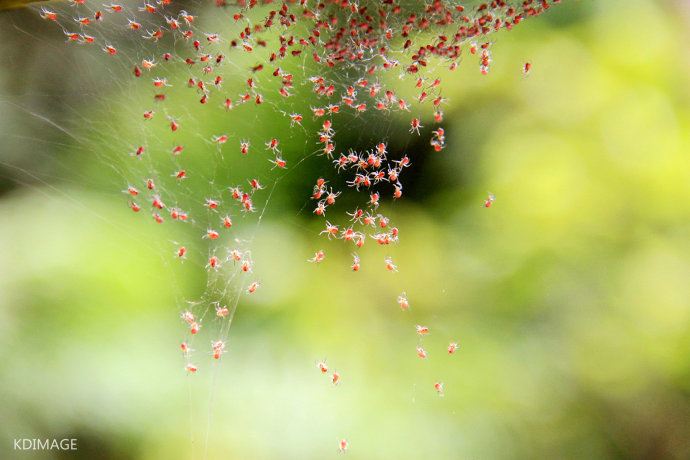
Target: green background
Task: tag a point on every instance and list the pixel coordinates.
(570, 297)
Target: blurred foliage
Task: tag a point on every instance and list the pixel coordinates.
(9, 4)
(570, 297)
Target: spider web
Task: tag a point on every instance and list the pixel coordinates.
(140, 116)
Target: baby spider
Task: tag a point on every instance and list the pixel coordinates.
(133, 191)
(273, 145)
(355, 263)
(374, 200)
(397, 193)
(421, 353)
(330, 198)
(526, 68)
(331, 230)
(109, 49)
(253, 287)
(160, 83)
(438, 386)
(187, 317)
(213, 263)
(235, 255)
(211, 234)
(390, 266)
(318, 257)
(403, 302)
(48, 14)
(320, 209)
(246, 266)
(255, 184)
(359, 241)
(489, 200)
(156, 202)
(415, 125)
(222, 312)
(218, 348)
(278, 162)
(295, 118)
(220, 139)
(211, 203)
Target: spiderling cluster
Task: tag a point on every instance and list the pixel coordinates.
(349, 59)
